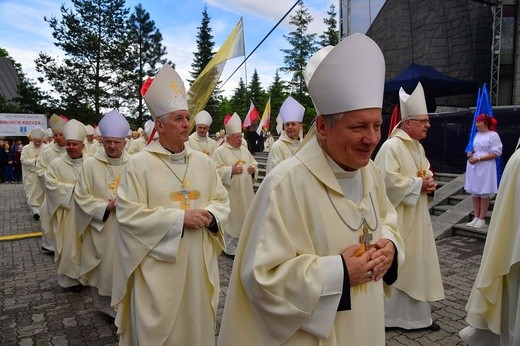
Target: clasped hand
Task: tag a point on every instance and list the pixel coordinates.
(239, 169)
(428, 184)
(197, 218)
(111, 205)
(377, 259)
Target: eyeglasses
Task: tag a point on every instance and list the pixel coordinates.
(422, 121)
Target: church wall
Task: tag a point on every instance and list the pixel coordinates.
(453, 36)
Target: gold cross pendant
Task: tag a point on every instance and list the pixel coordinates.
(114, 184)
(185, 195)
(421, 173)
(364, 238)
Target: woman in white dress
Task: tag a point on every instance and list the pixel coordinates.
(481, 170)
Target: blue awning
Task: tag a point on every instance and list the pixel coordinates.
(435, 83)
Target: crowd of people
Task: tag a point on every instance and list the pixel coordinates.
(332, 249)
(10, 161)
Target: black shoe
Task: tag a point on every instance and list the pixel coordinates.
(76, 288)
(434, 327)
(47, 251)
(36, 217)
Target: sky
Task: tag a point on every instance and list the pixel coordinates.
(24, 32)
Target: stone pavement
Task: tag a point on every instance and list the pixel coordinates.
(34, 310)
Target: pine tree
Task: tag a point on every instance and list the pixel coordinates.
(303, 47)
(331, 36)
(256, 93)
(240, 100)
(205, 46)
(203, 56)
(145, 56)
(93, 37)
(278, 94)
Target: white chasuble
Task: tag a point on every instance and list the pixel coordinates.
(494, 303)
(204, 145)
(282, 149)
(401, 159)
(166, 279)
(47, 154)
(33, 188)
(60, 180)
(278, 289)
(99, 180)
(239, 186)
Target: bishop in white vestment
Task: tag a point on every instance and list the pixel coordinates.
(408, 181)
(171, 207)
(321, 236)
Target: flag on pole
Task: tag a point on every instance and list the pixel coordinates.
(483, 106)
(394, 120)
(264, 122)
(252, 115)
(202, 88)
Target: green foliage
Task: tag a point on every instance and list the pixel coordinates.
(203, 56)
(240, 100)
(303, 47)
(256, 92)
(145, 54)
(93, 36)
(205, 45)
(278, 95)
(331, 36)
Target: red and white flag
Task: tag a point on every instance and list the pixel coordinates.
(251, 116)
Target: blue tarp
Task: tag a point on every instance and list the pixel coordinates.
(435, 83)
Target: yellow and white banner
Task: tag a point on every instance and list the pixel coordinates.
(202, 88)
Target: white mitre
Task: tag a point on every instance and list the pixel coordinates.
(313, 62)
(413, 104)
(57, 122)
(149, 125)
(114, 124)
(90, 129)
(350, 77)
(37, 133)
(234, 125)
(291, 110)
(74, 130)
(166, 94)
(203, 118)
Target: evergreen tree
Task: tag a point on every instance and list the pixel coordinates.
(303, 47)
(331, 36)
(225, 106)
(278, 95)
(202, 57)
(256, 93)
(145, 53)
(93, 36)
(205, 46)
(240, 100)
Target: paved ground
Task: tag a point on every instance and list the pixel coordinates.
(34, 310)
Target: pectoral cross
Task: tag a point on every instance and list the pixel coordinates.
(421, 173)
(240, 162)
(366, 237)
(114, 184)
(185, 195)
